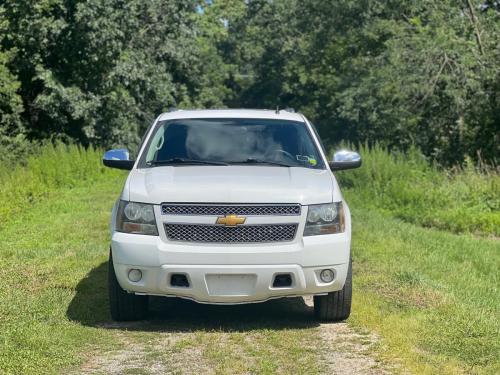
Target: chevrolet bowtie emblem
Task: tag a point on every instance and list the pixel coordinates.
(230, 220)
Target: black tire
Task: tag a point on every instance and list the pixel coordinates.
(124, 306)
(335, 306)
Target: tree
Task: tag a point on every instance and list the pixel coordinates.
(98, 71)
(397, 72)
(11, 129)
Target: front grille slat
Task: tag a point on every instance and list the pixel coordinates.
(240, 234)
(231, 209)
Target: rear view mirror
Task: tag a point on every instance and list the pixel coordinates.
(119, 159)
(345, 160)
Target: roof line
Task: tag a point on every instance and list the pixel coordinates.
(291, 110)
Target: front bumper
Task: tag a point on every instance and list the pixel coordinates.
(230, 274)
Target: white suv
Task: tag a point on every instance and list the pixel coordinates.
(229, 207)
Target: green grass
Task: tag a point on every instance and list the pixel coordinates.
(406, 186)
(54, 311)
(431, 295)
(45, 251)
(52, 167)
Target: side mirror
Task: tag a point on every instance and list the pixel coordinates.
(118, 159)
(345, 160)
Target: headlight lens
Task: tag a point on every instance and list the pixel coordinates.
(136, 218)
(132, 211)
(325, 219)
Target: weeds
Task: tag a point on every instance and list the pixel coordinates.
(49, 168)
(407, 186)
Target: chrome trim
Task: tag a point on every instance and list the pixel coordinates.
(343, 156)
(240, 209)
(117, 154)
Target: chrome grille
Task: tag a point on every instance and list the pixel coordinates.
(239, 234)
(231, 209)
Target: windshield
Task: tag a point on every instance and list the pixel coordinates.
(232, 141)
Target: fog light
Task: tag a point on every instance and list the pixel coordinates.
(134, 275)
(327, 276)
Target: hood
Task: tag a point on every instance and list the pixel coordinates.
(229, 184)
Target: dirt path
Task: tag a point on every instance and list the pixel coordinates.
(276, 337)
(349, 352)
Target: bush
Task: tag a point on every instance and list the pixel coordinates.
(407, 186)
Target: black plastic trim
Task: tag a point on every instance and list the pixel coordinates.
(342, 165)
(119, 164)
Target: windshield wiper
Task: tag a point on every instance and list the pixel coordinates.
(258, 161)
(183, 161)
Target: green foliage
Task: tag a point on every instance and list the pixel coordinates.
(402, 73)
(100, 71)
(48, 169)
(406, 186)
(10, 102)
(11, 129)
(396, 72)
(214, 71)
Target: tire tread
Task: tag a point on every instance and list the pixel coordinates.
(124, 306)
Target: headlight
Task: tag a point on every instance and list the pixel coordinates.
(137, 218)
(325, 219)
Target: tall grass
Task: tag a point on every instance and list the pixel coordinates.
(407, 186)
(50, 168)
(404, 185)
